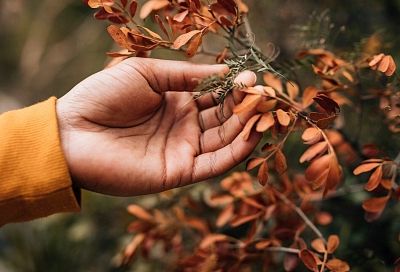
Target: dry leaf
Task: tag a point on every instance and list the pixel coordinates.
(311, 135)
(253, 163)
(280, 162)
(225, 216)
(336, 265)
(248, 103)
(333, 243)
(152, 5)
(313, 151)
(184, 39)
(309, 259)
(283, 117)
(319, 245)
(139, 212)
(266, 122)
(249, 125)
(374, 180)
(365, 167)
(376, 204)
(263, 173)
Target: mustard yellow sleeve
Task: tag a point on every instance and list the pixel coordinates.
(34, 178)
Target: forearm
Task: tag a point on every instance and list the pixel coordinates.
(34, 179)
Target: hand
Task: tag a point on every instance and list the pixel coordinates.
(135, 128)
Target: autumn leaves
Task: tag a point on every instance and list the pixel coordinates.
(181, 24)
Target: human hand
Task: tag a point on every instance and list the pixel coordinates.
(135, 128)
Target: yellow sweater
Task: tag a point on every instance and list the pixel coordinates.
(34, 178)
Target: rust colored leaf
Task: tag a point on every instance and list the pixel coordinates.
(365, 167)
(263, 173)
(261, 245)
(317, 167)
(324, 218)
(280, 162)
(319, 245)
(273, 82)
(118, 36)
(184, 39)
(131, 248)
(248, 103)
(376, 59)
(243, 8)
(376, 204)
(266, 122)
(252, 202)
(266, 106)
(194, 44)
(283, 117)
(181, 16)
(384, 64)
(161, 24)
(139, 212)
(333, 243)
(269, 91)
(392, 67)
(313, 151)
(225, 216)
(249, 125)
(327, 103)
(292, 89)
(253, 163)
(309, 259)
(151, 33)
(229, 5)
(374, 180)
(212, 239)
(132, 8)
(152, 5)
(240, 220)
(308, 95)
(311, 135)
(336, 265)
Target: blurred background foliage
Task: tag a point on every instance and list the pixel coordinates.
(48, 46)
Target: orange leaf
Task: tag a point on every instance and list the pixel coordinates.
(263, 244)
(118, 36)
(317, 167)
(333, 243)
(384, 64)
(249, 125)
(309, 259)
(263, 173)
(283, 117)
(365, 167)
(212, 239)
(280, 162)
(266, 106)
(323, 218)
(248, 103)
(253, 163)
(132, 247)
(292, 89)
(273, 82)
(194, 45)
(266, 122)
(181, 16)
(319, 245)
(376, 204)
(184, 39)
(133, 8)
(139, 212)
(314, 151)
(336, 265)
(308, 95)
(376, 59)
(392, 67)
(225, 216)
(374, 180)
(311, 135)
(240, 220)
(151, 5)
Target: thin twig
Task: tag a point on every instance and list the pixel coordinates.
(300, 213)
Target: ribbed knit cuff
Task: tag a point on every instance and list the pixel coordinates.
(34, 178)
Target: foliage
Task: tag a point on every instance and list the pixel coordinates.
(275, 221)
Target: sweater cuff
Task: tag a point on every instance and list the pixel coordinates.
(34, 177)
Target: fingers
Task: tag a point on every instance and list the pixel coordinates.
(212, 164)
(246, 78)
(216, 115)
(220, 136)
(167, 75)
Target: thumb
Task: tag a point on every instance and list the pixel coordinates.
(168, 75)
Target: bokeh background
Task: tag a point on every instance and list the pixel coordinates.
(46, 47)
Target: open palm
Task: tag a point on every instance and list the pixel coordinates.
(135, 128)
